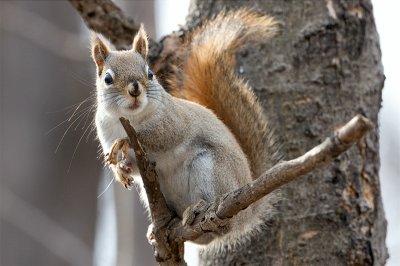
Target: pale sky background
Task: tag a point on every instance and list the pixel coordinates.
(387, 21)
(170, 13)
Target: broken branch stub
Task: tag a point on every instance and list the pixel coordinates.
(166, 252)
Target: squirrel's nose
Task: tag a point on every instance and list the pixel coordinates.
(135, 90)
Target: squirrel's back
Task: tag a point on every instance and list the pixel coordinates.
(207, 77)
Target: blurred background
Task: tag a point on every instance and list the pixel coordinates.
(51, 173)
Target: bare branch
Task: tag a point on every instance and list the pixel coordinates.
(228, 205)
(231, 203)
(166, 252)
(104, 17)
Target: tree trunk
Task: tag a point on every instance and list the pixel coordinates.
(322, 69)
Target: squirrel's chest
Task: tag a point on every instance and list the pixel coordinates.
(108, 131)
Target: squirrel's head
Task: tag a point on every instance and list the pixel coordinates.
(125, 83)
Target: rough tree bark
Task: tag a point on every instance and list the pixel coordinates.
(324, 67)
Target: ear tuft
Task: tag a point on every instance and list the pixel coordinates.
(140, 42)
(100, 52)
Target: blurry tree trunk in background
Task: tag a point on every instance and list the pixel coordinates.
(322, 69)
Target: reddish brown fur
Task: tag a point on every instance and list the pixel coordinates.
(207, 77)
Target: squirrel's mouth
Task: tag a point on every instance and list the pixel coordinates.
(134, 104)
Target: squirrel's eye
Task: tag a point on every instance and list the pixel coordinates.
(108, 79)
(149, 73)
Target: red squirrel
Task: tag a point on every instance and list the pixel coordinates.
(208, 137)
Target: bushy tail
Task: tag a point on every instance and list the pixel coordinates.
(207, 77)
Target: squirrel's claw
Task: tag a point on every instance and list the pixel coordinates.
(192, 211)
(123, 173)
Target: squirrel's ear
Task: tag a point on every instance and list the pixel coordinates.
(100, 52)
(140, 42)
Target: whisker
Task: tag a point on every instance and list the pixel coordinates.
(79, 78)
(87, 116)
(150, 96)
(90, 132)
(62, 109)
(86, 113)
(63, 122)
(109, 184)
(76, 147)
(66, 131)
(77, 108)
(111, 100)
(72, 106)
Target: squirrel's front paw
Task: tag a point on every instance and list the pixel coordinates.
(119, 144)
(191, 212)
(122, 168)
